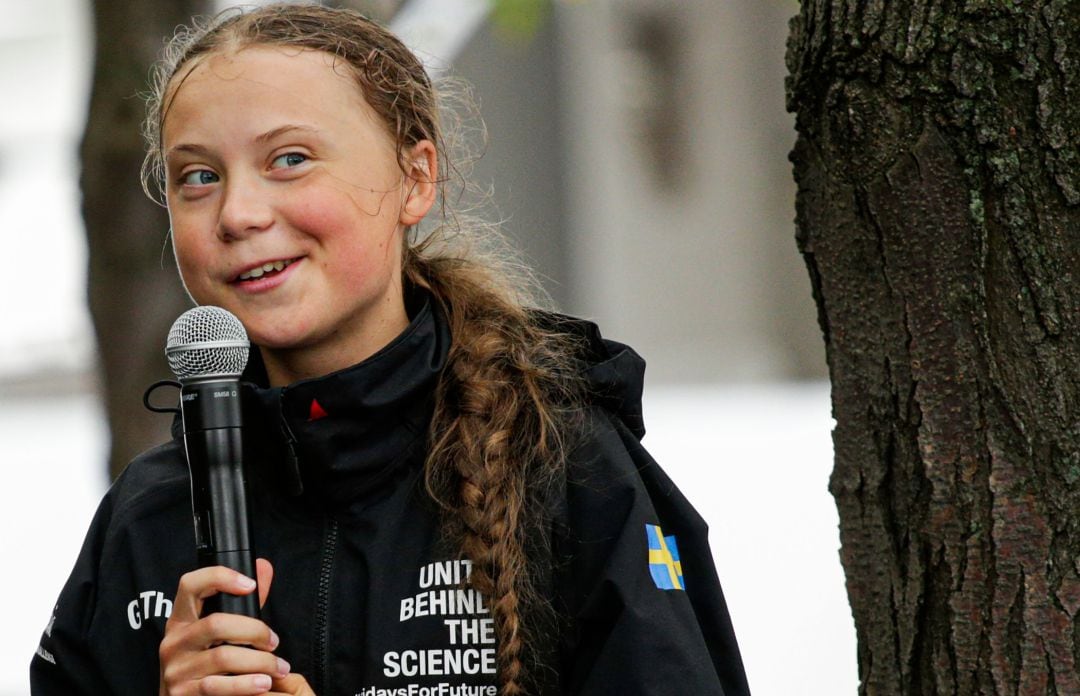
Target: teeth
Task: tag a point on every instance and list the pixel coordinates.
(262, 270)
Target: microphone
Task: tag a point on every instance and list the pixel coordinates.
(207, 350)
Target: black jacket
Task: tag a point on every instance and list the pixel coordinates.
(366, 597)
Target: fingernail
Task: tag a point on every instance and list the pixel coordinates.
(246, 583)
(283, 667)
(262, 681)
(274, 640)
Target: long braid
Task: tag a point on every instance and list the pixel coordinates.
(496, 432)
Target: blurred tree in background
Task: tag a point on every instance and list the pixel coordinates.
(134, 291)
(938, 168)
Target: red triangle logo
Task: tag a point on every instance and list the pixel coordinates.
(317, 411)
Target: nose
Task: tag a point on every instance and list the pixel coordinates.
(245, 209)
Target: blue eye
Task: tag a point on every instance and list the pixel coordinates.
(199, 177)
(289, 159)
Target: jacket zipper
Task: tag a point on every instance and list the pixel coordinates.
(322, 607)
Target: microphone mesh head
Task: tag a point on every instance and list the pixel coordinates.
(207, 342)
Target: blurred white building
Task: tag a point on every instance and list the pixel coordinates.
(639, 150)
(45, 59)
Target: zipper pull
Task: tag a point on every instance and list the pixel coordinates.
(293, 483)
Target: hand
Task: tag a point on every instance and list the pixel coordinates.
(294, 685)
(221, 653)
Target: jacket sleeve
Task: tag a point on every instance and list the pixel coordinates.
(64, 662)
(105, 630)
(636, 578)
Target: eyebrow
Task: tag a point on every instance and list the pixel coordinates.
(281, 130)
(258, 139)
(186, 147)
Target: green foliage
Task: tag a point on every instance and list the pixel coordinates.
(519, 20)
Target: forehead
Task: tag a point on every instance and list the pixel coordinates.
(290, 82)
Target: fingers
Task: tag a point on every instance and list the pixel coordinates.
(199, 584)
(220, 653)
(248, 684)
(234, 659)
(183, 651)
(235, 629)
(225, 669)
(265, 573)
(292, 685)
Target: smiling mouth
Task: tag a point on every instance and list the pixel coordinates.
(265, 270)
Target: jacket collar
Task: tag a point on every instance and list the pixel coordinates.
(339, 436)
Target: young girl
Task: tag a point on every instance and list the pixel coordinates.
(448, 487)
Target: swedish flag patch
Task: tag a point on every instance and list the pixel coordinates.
(664, 562)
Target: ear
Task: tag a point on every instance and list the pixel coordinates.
(422, 166)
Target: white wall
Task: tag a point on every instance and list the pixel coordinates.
(701, 274)
(44, 72)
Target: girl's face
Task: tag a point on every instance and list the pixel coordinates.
(288, 205)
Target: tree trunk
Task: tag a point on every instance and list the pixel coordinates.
(939, 216)
(134, 290)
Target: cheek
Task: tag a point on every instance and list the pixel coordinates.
(360, 244)
(191, 259)
(321, 210)
(186, 253)
(185, 241)
(326, 202)
(360, 266)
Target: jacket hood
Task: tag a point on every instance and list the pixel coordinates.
(614, 373)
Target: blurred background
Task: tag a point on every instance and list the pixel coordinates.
(637, 150)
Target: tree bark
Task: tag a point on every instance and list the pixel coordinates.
(938, 212)
(134, 289)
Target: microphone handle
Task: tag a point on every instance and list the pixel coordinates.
(212, 438)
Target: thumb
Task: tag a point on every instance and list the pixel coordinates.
(294, 685)
(264, 575)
